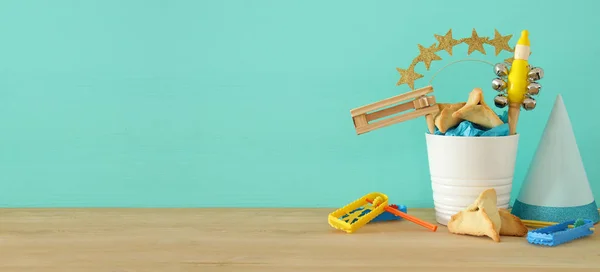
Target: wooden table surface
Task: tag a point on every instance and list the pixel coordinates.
(262, 240)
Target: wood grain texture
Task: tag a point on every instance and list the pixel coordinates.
(264, 240)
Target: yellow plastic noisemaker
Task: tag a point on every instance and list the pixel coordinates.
(358, 213)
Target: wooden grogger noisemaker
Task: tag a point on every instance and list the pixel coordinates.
(373, 116)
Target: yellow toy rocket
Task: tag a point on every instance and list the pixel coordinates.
(519, 82)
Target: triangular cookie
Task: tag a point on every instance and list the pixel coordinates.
(477, 111)
(475, 97)
(479, 219)
(478, 114)
(444, 119)
(511, 225)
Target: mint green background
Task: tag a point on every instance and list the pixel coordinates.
(246, 103)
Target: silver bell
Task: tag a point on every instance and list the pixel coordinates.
(533, 88)
(498, 84)
(535, 74)
(529, 103)
(500, 69)
(500, 101)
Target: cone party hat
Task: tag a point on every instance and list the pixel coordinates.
(556, 188)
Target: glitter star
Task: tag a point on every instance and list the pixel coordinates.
(475, 43)
(500, 42)
(428, 55)
(408, 76)
(446, 42)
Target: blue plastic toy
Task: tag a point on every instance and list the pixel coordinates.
(561, 233)
(386, 216)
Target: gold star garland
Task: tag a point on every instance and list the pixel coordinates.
(446, 43)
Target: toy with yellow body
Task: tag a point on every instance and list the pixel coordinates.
(351, 217)
(519, 82)
(517, 77)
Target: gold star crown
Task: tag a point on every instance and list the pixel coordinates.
(446, 42)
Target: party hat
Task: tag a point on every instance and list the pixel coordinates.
(556, 187)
